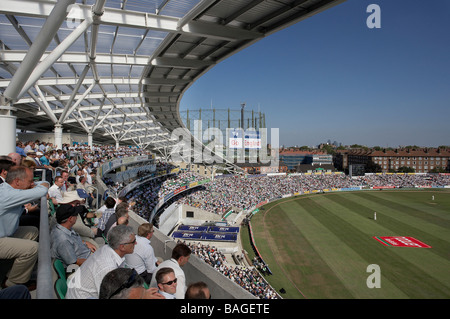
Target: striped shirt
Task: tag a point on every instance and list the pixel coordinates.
(85, 283)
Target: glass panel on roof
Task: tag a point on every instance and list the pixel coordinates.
(79, 67)
(127, 88)
(121, 70)
(142, 5)
(126, 44)
(5, 75)
(149, 45)
(136, 71)
(116, 4)
(104, 69)
(78, 45)
(96, 89)
(30, 21)
(4, 20)
(109, 88)
(117, 102)
(57, 105)
(62, 69)
(179, 8)
(49, 74)
(135, 32)
(32, 32)
(104, 42)
(11, 39)
(129, 100)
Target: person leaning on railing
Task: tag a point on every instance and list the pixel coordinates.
(19, 242)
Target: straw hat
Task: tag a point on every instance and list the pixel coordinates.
(69, 197)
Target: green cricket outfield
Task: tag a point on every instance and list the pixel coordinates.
(325, 246)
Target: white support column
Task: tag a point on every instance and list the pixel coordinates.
(117, 144)
(7, 130)
(58, 136)
(90, 139)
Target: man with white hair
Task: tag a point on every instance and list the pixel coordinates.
(85, 283)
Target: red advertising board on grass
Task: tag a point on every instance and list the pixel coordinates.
(401, 241)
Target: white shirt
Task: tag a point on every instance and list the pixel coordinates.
(55, 192)
(143, 257)
(179, 274)
(85, 283)
(166, 294)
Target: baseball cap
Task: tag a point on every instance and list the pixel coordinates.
(65, 211)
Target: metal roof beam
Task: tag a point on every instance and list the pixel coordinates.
(80, 58)
(119, 116)
(45, 64)
(181, 63)
(208, 29)
(67, 109)
(134, 130)
(89, 80)
(95, 108)
(142, 123)
(134, 19)
(64, 97)
(51, 26)
(160, 94)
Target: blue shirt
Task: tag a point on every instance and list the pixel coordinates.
(67, 245)
(11, 205)
(20, 151)
(44, 160)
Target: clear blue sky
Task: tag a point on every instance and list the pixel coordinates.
(332, 77)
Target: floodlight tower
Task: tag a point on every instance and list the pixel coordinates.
(242, 114)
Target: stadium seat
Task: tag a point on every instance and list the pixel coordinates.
(61, 288)
(104, 237)
(51, 207)
(60, 270)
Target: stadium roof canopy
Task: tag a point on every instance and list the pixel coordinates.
(117, 69)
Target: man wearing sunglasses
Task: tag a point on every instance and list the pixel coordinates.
(167, 282)
(180, 257)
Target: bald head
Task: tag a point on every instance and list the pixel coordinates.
(16, 158)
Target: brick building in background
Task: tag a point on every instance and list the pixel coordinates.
(422, 160)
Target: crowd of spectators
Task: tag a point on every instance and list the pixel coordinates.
(246, 277)
(244, 193)
(406, 180)
(70, 171)
(76, 166)
(147, 196)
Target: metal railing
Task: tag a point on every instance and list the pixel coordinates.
(44, 289)
(44, 283)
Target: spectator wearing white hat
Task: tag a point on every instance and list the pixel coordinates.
(86, 233)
